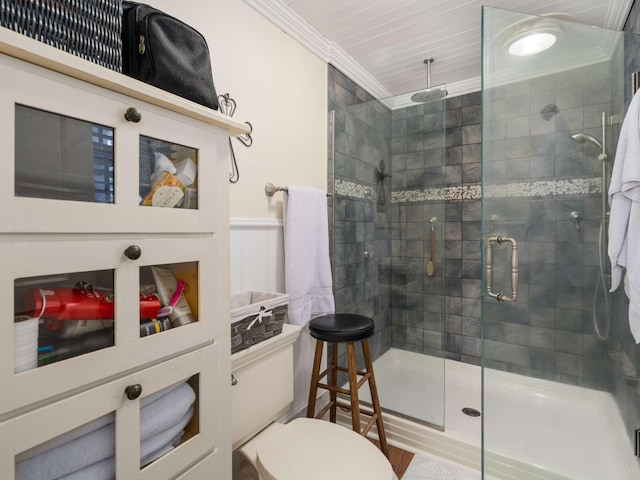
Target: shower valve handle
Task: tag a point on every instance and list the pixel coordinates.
(500, 296)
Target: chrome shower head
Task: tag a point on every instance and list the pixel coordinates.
(431, 94)
(583, 137)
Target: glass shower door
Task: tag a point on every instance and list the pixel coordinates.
(388, 169)
(551, 336)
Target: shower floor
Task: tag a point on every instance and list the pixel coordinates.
(566, 431)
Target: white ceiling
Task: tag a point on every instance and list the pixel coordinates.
(381, 44)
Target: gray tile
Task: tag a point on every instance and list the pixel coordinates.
(453, 231)
(570, 342)
(504, 352)
(471, 153)
(471, 134)
(542, 359)
(453, 118)
(471, 326)
(471, 288)
(453, 305)
(453, 174)
(453, 287)
(453, 137)
(454, 155)
(569, 364)
(471, 115)
(474, 98)
(471, 346)
(453, 324)
(453, 343)
(471, 307)
(471, 173)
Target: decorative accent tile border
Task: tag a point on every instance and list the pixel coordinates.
(352, 189)
(460, 192)
(542, 188)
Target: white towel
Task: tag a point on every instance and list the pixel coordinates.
(164, 416)
(306, 254)
(624, 220)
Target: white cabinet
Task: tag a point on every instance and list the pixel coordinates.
(113, 196)
(62, 135)
(110, 429)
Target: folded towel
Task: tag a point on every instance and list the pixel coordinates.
(149, 450)
(74, 452)
(103, 470)
(89, 427)
(166, 411)
(306, 254)
(624, 220)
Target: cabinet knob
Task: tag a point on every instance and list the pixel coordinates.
(234, 380)
(133, 252)
(133, 391)
(132, 115)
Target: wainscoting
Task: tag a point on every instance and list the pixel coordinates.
(257, 263)
(257, 255)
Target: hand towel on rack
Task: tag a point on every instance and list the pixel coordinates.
(624, 220)
(306, 254)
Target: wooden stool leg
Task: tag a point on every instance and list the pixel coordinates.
(353, 387)
(333, 381)
(374, 398)
(315, 374)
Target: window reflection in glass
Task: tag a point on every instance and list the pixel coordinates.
(62, 158)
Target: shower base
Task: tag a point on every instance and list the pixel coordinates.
(534, 429)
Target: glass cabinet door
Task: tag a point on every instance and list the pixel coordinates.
(124, 429)
(89, 160)
(62, 158)
(57, 317)
(96, 308)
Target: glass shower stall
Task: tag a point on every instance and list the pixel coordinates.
(473, 230)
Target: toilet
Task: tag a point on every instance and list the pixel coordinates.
(304, 448)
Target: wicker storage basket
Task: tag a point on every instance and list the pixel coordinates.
(256, 316)
(90, 29)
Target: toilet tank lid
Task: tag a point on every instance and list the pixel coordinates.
(317, 450)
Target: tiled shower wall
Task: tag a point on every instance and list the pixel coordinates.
(535, 177)
(436, 173)
(361, 232)
(549, 332)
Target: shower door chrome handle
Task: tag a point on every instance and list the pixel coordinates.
(500, 296)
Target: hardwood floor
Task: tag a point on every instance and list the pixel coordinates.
(400, 459)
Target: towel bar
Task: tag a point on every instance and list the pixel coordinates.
(270, 189)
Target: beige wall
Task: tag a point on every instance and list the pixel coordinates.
(279, 86)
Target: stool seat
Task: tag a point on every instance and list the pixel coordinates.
(341, 327)
(347, 328)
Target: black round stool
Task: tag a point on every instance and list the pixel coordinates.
(345, 328)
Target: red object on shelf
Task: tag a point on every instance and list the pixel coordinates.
(81, 304)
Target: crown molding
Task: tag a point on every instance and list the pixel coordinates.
(281, 15)
(293, 25)
(278, 13)
(352, 69)
(617, 14)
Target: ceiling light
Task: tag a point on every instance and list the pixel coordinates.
(532, 43)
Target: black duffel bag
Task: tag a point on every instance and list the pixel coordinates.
(165, 52)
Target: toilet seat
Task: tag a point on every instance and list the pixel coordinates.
(313, 449)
